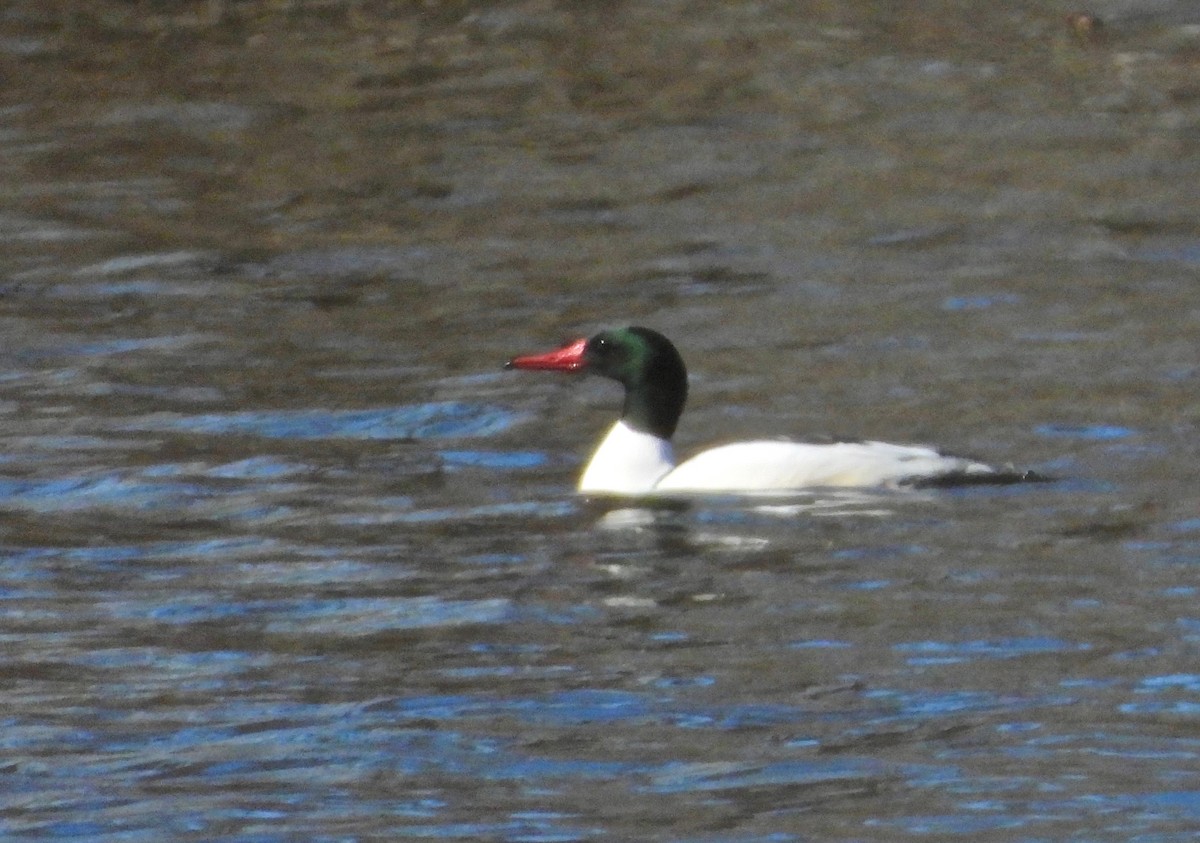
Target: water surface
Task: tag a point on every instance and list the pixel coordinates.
(285, 555)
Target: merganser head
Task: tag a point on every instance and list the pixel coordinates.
(643, 361)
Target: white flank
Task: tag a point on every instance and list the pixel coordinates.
(629, 462)
(778, 466)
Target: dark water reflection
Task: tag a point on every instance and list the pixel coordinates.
(284, 555)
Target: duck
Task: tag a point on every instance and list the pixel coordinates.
(636, 456)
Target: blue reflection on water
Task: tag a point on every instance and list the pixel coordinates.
(256, 468)
(1187, 253)
(821, 644)
(341, 616)
(997, 814)
(684, 777)
(30, 559)
(956, 824)
(1098, 432)
(948, 652)
(1184, 681)
(493, 459)
(1174, 694)
(979, 302)
(592, 706)
(101, 490)
(908, 704)
(530, 509)
(421, 421)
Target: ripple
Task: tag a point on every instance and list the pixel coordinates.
(923, 705)
(950, 652)
(979, 302)
(821, 644)
(119, 345)
(343, 617)
(516, 509)
(493, 459)
(1098, 432)
(348, 260)
(256, 468)
(1185, 681)
(681, 777)
(133, 263)
(110, 489)
(420, 421)
(591, 706)
(1188, 253)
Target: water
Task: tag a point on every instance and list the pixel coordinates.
(285, 555)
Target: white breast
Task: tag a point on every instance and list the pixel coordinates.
(627, 462)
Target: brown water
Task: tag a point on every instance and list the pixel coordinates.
(286, 556)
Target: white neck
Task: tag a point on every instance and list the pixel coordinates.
(627, 462)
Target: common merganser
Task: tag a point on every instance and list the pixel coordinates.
(636, 457)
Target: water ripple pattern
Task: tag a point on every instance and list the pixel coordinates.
(287, 555)
(425, 421)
